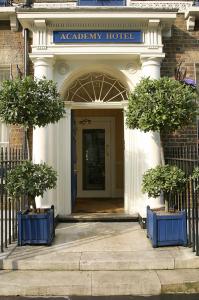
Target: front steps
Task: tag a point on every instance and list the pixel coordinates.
(99, 259)
(99, 273)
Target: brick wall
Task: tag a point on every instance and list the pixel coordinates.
(183, 47)
(11, 54)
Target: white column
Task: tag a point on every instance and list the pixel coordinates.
(64, 165)
(142, 152)
(44, 138)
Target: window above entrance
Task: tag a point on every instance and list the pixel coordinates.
(101, 2)
(96, 87)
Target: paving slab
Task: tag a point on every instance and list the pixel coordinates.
(125, 283)
(101, 236)
(51, 261)
(179, 281)
(125, 260)
(45, 283)
(185, 259)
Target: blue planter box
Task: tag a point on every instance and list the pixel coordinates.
(36, 228)
(166, 230)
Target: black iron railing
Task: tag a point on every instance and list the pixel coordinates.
(9, 158)
(187, 159)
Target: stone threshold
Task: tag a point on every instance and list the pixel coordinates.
(98, 217)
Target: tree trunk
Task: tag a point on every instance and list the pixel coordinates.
(162, 153)
(27, 144)
(167, 200)
(166, 205)
(31, 202)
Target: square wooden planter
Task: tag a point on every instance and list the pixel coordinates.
(36, 228)
(166, 230)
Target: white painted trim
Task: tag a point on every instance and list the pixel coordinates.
(178, 5)
(97, 13)
(96, 105)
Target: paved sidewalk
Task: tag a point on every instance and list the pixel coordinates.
(99, 259)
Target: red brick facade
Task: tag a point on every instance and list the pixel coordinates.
(183, 46)
(11, 55)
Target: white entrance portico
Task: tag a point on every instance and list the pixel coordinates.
(66, 63)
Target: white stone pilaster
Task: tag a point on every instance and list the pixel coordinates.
(64, 165)
(41, 34)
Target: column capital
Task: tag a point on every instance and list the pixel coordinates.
(45, 60)
(151, 65)
(43, 66)
(151, 60)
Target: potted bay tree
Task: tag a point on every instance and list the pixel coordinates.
(30, 102)
(35, 226)
(169, 227)
(162, 105)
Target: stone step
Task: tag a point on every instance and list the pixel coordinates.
(179, 281)
(99, 217)
(84, 283)
(94, 261)
(58, 260)
(98, 283)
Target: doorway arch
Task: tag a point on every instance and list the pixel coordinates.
(103, 181)
(96, 87)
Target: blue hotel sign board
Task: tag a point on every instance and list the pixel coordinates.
(97, 36)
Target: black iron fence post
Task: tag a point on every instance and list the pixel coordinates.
(187, 159)
(9, 206)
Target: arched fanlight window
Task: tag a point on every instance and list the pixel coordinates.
(96, 87)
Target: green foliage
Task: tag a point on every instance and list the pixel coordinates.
(30, 179)
(30, 102)
(195, 177)
(164, 179)
(195, 173)
(161, 105)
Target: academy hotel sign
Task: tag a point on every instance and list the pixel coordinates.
(97, 36)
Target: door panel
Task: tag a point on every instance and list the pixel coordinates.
(93, 158)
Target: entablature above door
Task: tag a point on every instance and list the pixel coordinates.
(151, 24)
(55, 18)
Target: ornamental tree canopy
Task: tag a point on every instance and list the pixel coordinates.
(164, 179)
(161, 105)
(30, 102)
(31, 179)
